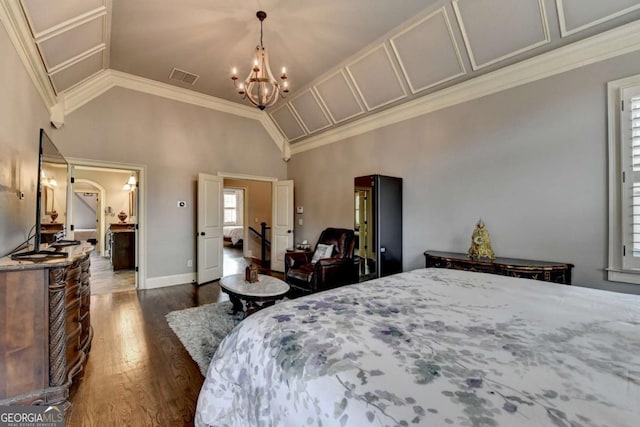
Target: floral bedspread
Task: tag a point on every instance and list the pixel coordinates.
(432, 347)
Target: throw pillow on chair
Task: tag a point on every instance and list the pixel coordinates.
(322, 251)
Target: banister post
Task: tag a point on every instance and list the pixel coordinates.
(263, 243)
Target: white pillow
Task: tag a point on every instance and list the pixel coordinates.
(322, 251)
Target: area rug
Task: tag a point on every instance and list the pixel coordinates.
(201, 329)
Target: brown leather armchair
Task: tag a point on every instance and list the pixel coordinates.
(326, 273)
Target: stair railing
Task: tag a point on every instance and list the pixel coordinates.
(264, 242)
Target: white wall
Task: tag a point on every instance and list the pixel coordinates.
(175, 141)
(85, 210)
(22, 114)
(530, 161)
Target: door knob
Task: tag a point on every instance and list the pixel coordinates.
(288, 231)
(202, 233)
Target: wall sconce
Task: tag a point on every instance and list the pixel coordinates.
(130, 184)
(50, 182)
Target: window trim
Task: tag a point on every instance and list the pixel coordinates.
(233, 192)
(615, 270)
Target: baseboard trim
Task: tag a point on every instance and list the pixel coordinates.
(164, 281)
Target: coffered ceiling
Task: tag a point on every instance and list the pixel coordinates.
(346, 60)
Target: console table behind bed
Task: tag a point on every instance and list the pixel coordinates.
(558, 272)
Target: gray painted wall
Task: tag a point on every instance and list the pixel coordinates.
(175, 141)
(530, 161)
(22, 114)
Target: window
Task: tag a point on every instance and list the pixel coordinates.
(630, 139)
(624, 180)
(230, 207)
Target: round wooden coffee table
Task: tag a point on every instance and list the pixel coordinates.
(250, 297)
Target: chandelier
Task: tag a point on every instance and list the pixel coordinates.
(260, 87)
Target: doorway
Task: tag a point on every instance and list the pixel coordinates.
(233, 230)
(276, 213)
(257, 206)
(110, 197)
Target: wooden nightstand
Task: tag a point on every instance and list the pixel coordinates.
(546, 271)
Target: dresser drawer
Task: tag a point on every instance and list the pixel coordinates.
(73, 274)
(84, 303)
(560, 275)
(72, 315)
(71, 293)
(73, 347)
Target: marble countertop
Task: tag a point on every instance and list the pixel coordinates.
(7, 264)
(266, 286)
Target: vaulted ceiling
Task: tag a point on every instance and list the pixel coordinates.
(346, 60)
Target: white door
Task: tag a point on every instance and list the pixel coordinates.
(210, 220)
(282, 228)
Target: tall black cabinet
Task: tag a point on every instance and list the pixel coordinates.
(378, 225)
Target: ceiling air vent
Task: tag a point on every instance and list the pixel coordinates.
(183, 76)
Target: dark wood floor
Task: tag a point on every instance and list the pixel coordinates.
(138, 373)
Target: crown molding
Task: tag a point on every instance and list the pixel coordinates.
(14, 21)
(96, 86)
(81, 94)
(105, 80)
(616, 42)
(276, 136)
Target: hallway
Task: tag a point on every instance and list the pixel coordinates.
(105, 281)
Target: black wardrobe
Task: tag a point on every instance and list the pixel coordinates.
(378, 225)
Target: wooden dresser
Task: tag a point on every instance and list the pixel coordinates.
(45, 327)
(50, 231)
(122, 246)
(557, 272)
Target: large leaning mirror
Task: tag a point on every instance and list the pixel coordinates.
(378, 225)
(364, 247)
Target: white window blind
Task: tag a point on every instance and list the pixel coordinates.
(630, 138)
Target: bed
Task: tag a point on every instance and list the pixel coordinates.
(233, 234)
(432, 347)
